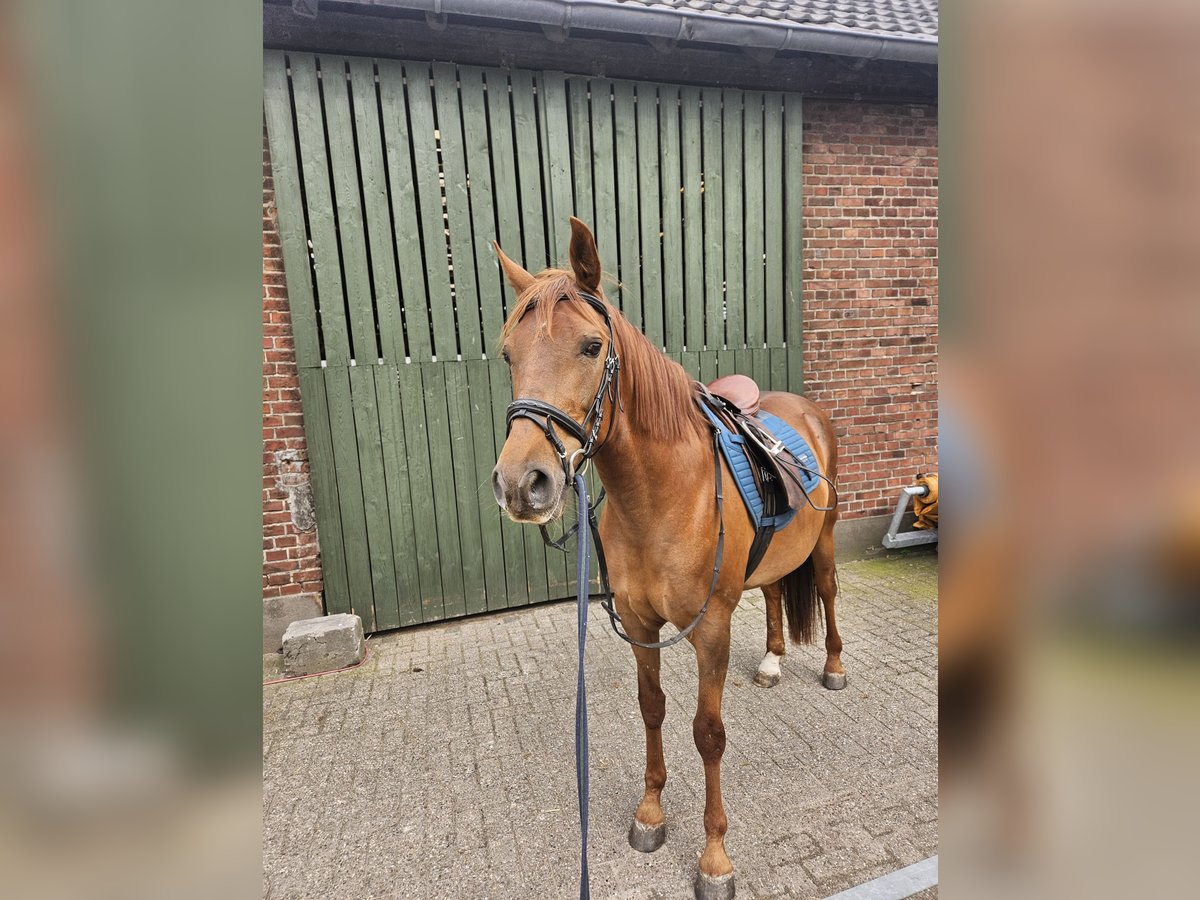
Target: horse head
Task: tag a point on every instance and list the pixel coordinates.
(557, 342)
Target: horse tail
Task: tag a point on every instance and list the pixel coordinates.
(801, 602)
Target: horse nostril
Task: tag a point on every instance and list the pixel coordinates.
(537, 486)
(498, 488)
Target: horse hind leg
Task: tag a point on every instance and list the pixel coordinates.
(768, 672)
(825, 574)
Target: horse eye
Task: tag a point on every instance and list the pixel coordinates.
(592, 349)
(504, 355)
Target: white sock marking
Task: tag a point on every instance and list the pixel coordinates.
(769, 667)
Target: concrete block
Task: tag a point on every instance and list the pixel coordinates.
(280, 612)
(323, 644)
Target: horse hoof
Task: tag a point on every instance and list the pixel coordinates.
(647, 838)
(766, 681)
(710, 888)
(835, 681)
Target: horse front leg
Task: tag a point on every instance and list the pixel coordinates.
(715, 878)
(649, 828)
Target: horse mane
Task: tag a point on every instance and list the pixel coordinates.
(660, 401)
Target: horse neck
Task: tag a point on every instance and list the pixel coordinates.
(643, 476)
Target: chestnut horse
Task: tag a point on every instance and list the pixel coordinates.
(660, 523)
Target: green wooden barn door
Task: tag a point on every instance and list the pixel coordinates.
(391, 180)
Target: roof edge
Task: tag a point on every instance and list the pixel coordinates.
(675, 25)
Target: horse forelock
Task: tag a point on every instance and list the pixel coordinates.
(659, 400)
(549, 288)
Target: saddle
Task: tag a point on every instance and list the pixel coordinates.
(740, 390)
(774, 467)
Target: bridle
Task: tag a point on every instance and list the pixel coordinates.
(587, 432)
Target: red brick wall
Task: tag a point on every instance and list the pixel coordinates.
(871, 292)
(291, 557)
(870, 320)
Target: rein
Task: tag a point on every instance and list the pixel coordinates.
(545, 415)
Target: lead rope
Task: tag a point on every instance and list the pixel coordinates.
(581, 722)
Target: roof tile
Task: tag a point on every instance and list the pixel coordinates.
(908, 17)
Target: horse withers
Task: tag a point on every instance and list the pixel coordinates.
(653, 450)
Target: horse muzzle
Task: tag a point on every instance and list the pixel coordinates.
(530, 493)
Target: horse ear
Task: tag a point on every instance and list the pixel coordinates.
(585, 260)
(517, 277)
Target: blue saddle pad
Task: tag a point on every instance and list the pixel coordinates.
(733, 446)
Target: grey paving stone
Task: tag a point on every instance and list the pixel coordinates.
(458, 780)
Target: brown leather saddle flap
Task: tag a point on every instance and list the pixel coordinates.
(775, 458)
(740, 390)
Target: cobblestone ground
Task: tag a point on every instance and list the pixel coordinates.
(444, 767)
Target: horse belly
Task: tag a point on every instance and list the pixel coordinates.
(789, 548)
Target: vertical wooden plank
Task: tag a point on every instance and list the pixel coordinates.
(376, 209)
(458, 212)
(760, 367)
(508, 206)
(375, 497)
(511, 534)
(484, 437)
(405, 211)
(693, 219)
(477, 146)
(650, 219)
(690, 360)
(423, 132)
(344, 165)
(752, 154)
(529, 172)
(735, 292)
(793, 287)
(629, 250)
(743, 362)
(726, 362)
(603, 177)
(773, 218)
(289, 206)
(543, 139)
(400, 495)
(467, 488)
(672, 218)
(310, 129)
(708, 365)
(779, 376)
(714, 220)
(556, 129)
(350, 494)
(325, 491)
(581, 149)
(410, 383)
(445, 498)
